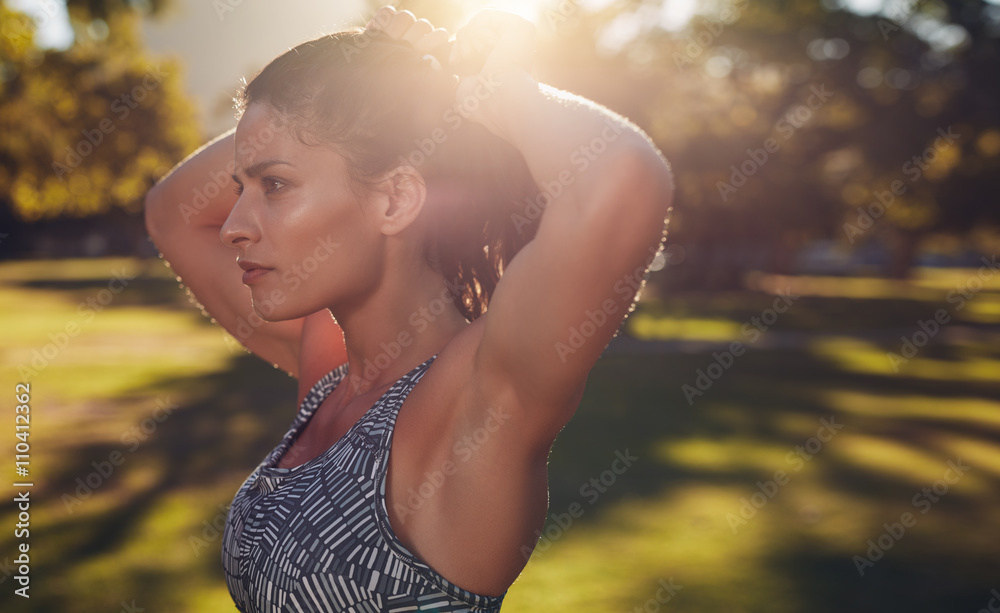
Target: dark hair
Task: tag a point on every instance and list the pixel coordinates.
(382, 104)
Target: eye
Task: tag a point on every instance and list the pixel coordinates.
(271, 184)
(238, 189)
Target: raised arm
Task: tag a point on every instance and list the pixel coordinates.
(607, 192)
(185, 211)
(606, 195)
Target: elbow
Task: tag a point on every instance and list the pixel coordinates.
(153, 209)
(652, 178)
(645, 184)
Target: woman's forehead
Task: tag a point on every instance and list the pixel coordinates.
(260, 133)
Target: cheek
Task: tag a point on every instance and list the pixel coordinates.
(327, 249)
(314, 225)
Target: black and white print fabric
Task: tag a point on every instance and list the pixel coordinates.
(316, 537)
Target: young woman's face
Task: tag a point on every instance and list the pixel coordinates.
(303, 238)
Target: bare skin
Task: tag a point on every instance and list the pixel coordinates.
(337, 278)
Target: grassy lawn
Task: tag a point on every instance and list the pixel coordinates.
(758, 493)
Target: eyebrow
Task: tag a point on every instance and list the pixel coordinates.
(255, 170)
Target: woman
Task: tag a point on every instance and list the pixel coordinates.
(377, 194)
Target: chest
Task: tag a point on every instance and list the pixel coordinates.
(331, 421)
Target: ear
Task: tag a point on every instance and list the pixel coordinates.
(402, 196)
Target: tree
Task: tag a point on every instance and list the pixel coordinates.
(86, 130)
(783, 117)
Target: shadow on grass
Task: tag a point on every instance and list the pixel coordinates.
(203, 444)
(905, 579)
(140, 291)
(636, 403)
(231, 419)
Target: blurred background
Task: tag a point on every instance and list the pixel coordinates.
(808, 394)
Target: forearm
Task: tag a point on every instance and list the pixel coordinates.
(185, 212)
(575, 147)
(197, 192)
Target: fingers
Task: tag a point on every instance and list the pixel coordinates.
(434, 39)
(394, 23)
(419, 29)
(403, 25)
(380, 19)
(509, 38)
(400, 23)
(494, 38)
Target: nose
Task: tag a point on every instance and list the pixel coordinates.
(240, 228)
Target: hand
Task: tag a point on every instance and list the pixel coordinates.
(402, 25)
(494, 42)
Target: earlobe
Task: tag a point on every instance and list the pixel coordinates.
(406, 193)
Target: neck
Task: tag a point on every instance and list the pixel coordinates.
(409, 317)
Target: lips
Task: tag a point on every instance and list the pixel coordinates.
(252, 271)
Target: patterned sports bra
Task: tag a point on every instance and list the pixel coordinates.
(316, 537)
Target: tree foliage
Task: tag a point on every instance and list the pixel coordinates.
(86, 129)
(786, 121)
(789, 121)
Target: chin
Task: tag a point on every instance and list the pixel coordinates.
(270, 306)
(278, 306)
(271, 313)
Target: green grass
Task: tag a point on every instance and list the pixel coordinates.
(146, 533)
